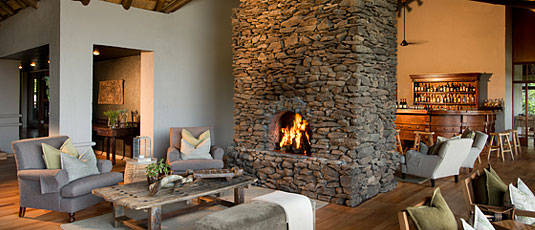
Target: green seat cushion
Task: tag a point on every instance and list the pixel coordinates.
(496, 188)
(435, 216)
(468, 133)
(51, 155)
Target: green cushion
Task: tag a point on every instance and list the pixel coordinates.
(468, 133)
(479, 186)
(433, 150)
(495, 188)
(51, 155)
(436, 216)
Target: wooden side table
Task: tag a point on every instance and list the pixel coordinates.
(135, 171)
(127, 134)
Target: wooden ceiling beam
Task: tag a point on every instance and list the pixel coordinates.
(84, 2)
(126, 4)
(177, 4)
(7, 8)
(159, 5)
(32, 3)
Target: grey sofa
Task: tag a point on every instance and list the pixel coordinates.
(447, 163)
(178, 165)
(477, 147)
(50, 188)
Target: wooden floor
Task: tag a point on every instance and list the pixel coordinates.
(376, 213)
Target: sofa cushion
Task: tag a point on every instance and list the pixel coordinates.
(183, 165)
(496, 188)
(83, 166)
(84, 185)
(199, 152)
(51, 155)
(253, 215)
(435, 216)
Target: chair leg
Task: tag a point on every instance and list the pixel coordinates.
(490, 146)
(456, 178)
(432, 182)
(71, 217)
(22, 211)
(501, 148)
(510, 148)
(404, 176)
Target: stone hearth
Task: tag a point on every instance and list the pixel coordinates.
(333, 62)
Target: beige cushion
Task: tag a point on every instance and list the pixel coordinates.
(188, 137)
(51, 155)
(199, 152)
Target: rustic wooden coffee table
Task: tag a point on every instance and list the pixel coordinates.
(136, 196)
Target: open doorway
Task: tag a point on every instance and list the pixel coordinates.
(34, 91)
(116, 99)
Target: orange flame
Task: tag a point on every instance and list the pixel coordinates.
(295, 133)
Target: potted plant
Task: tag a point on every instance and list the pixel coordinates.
(112, 116)
(157, 170)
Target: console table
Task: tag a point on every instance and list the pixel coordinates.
(126, 133)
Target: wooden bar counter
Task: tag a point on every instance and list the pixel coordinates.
(446, 123)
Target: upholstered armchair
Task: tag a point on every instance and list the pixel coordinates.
(477, 147)
(50, 189)
(179, 165)
(447, 163)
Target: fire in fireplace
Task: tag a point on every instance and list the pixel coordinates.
(294, 134)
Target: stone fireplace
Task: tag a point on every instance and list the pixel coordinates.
(331, 64)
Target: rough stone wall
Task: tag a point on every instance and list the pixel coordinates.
(332, 61)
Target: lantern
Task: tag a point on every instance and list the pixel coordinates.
(142, 149)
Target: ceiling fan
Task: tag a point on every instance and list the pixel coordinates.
(527, 4)
(404, 4)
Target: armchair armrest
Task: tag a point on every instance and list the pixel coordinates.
(217, 152)
(519, 212)
(172, 155)
(421, 164)
(104, 166)
(50, 180)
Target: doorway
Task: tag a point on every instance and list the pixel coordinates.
(524, 101)
(38, 104)
(116, 97)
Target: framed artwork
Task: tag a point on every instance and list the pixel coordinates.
(111, 92)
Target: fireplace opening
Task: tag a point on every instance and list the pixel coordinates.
(291, 133)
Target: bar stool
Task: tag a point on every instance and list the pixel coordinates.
(501, 138)
(418, 138)
(399, 146)
(516, 140)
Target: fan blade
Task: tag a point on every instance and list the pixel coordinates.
(512, 3)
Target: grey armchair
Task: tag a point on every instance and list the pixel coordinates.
(447, 163)
(477, 147)
(50, 188)
(178, 165)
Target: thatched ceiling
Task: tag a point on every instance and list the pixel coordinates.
(9, 8)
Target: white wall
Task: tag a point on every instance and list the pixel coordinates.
(193, 79)
(31, 28)
(9, 101)
(456, 36)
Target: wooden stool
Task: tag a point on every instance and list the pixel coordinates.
(399, 146)
(516, 140)
(501, 138)
(418, 139)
